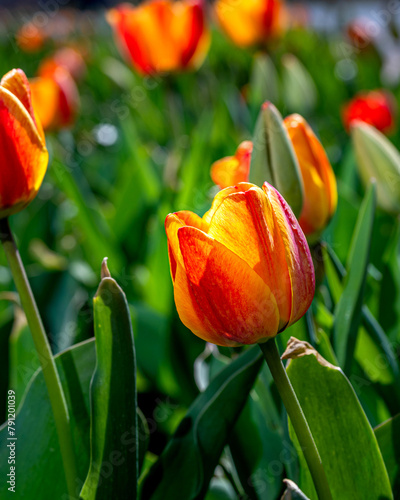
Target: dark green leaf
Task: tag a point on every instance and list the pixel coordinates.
(388, 436)
(191, 456)
(348, 312)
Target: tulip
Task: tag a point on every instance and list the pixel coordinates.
(161, 35)
(243, 272)
(233, 169)
(378, 159)
(320, 190)
(23, 153)
(377, 108)
(55, 97)
(250, 22)
(30, 38)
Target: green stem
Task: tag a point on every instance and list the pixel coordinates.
(297, 418)
(51, 377)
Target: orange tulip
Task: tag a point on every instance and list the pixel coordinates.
(320, 191)
(377, 108)
(231, 170)
(30, 38)
(55, 97)
(243, 272)
(23, 153)
(161, 35)
(250, 22)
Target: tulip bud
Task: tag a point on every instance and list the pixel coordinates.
(320, 191)
(231, 170)
(274, 160)
(377, 158)
(243, 272)
(299, 90)
(23, 153)
(264, 82)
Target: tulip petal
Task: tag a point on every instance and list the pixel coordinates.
(298, 256)
(219, 198)
(17, 83)
(245, 223)
(232, 170)
(172, 223)
(234, 304)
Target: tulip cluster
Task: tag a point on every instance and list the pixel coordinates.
(316, 175)
(243, 272)
(23, 153)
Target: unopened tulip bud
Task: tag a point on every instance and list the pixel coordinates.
(377, 158)
(274, 159)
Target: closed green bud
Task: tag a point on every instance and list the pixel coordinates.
(377, 158)
(274, 160)
(299, 90)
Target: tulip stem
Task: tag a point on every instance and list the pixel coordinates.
(43, 349)
(296, 415)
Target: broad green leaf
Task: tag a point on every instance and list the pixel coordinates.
(24, 360)
(388, 436)
(348, 311)
(345, 440)
(273, 158)
(188, 462)
(37, 445)
(113, 470)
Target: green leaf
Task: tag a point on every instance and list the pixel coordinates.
(388, 436)
(113, 468)
(37, 445)
(274, 160)
(348, 311)
(189, 460)
(344, 438)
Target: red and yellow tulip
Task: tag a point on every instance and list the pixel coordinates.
(55, 97)
(320, 190)
(250, 22)
(23, 153)
(243, 272)
(162, 35)
(377, 108)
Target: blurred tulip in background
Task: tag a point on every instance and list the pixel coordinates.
(162, 36)
(377, 108)
(251, 22)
